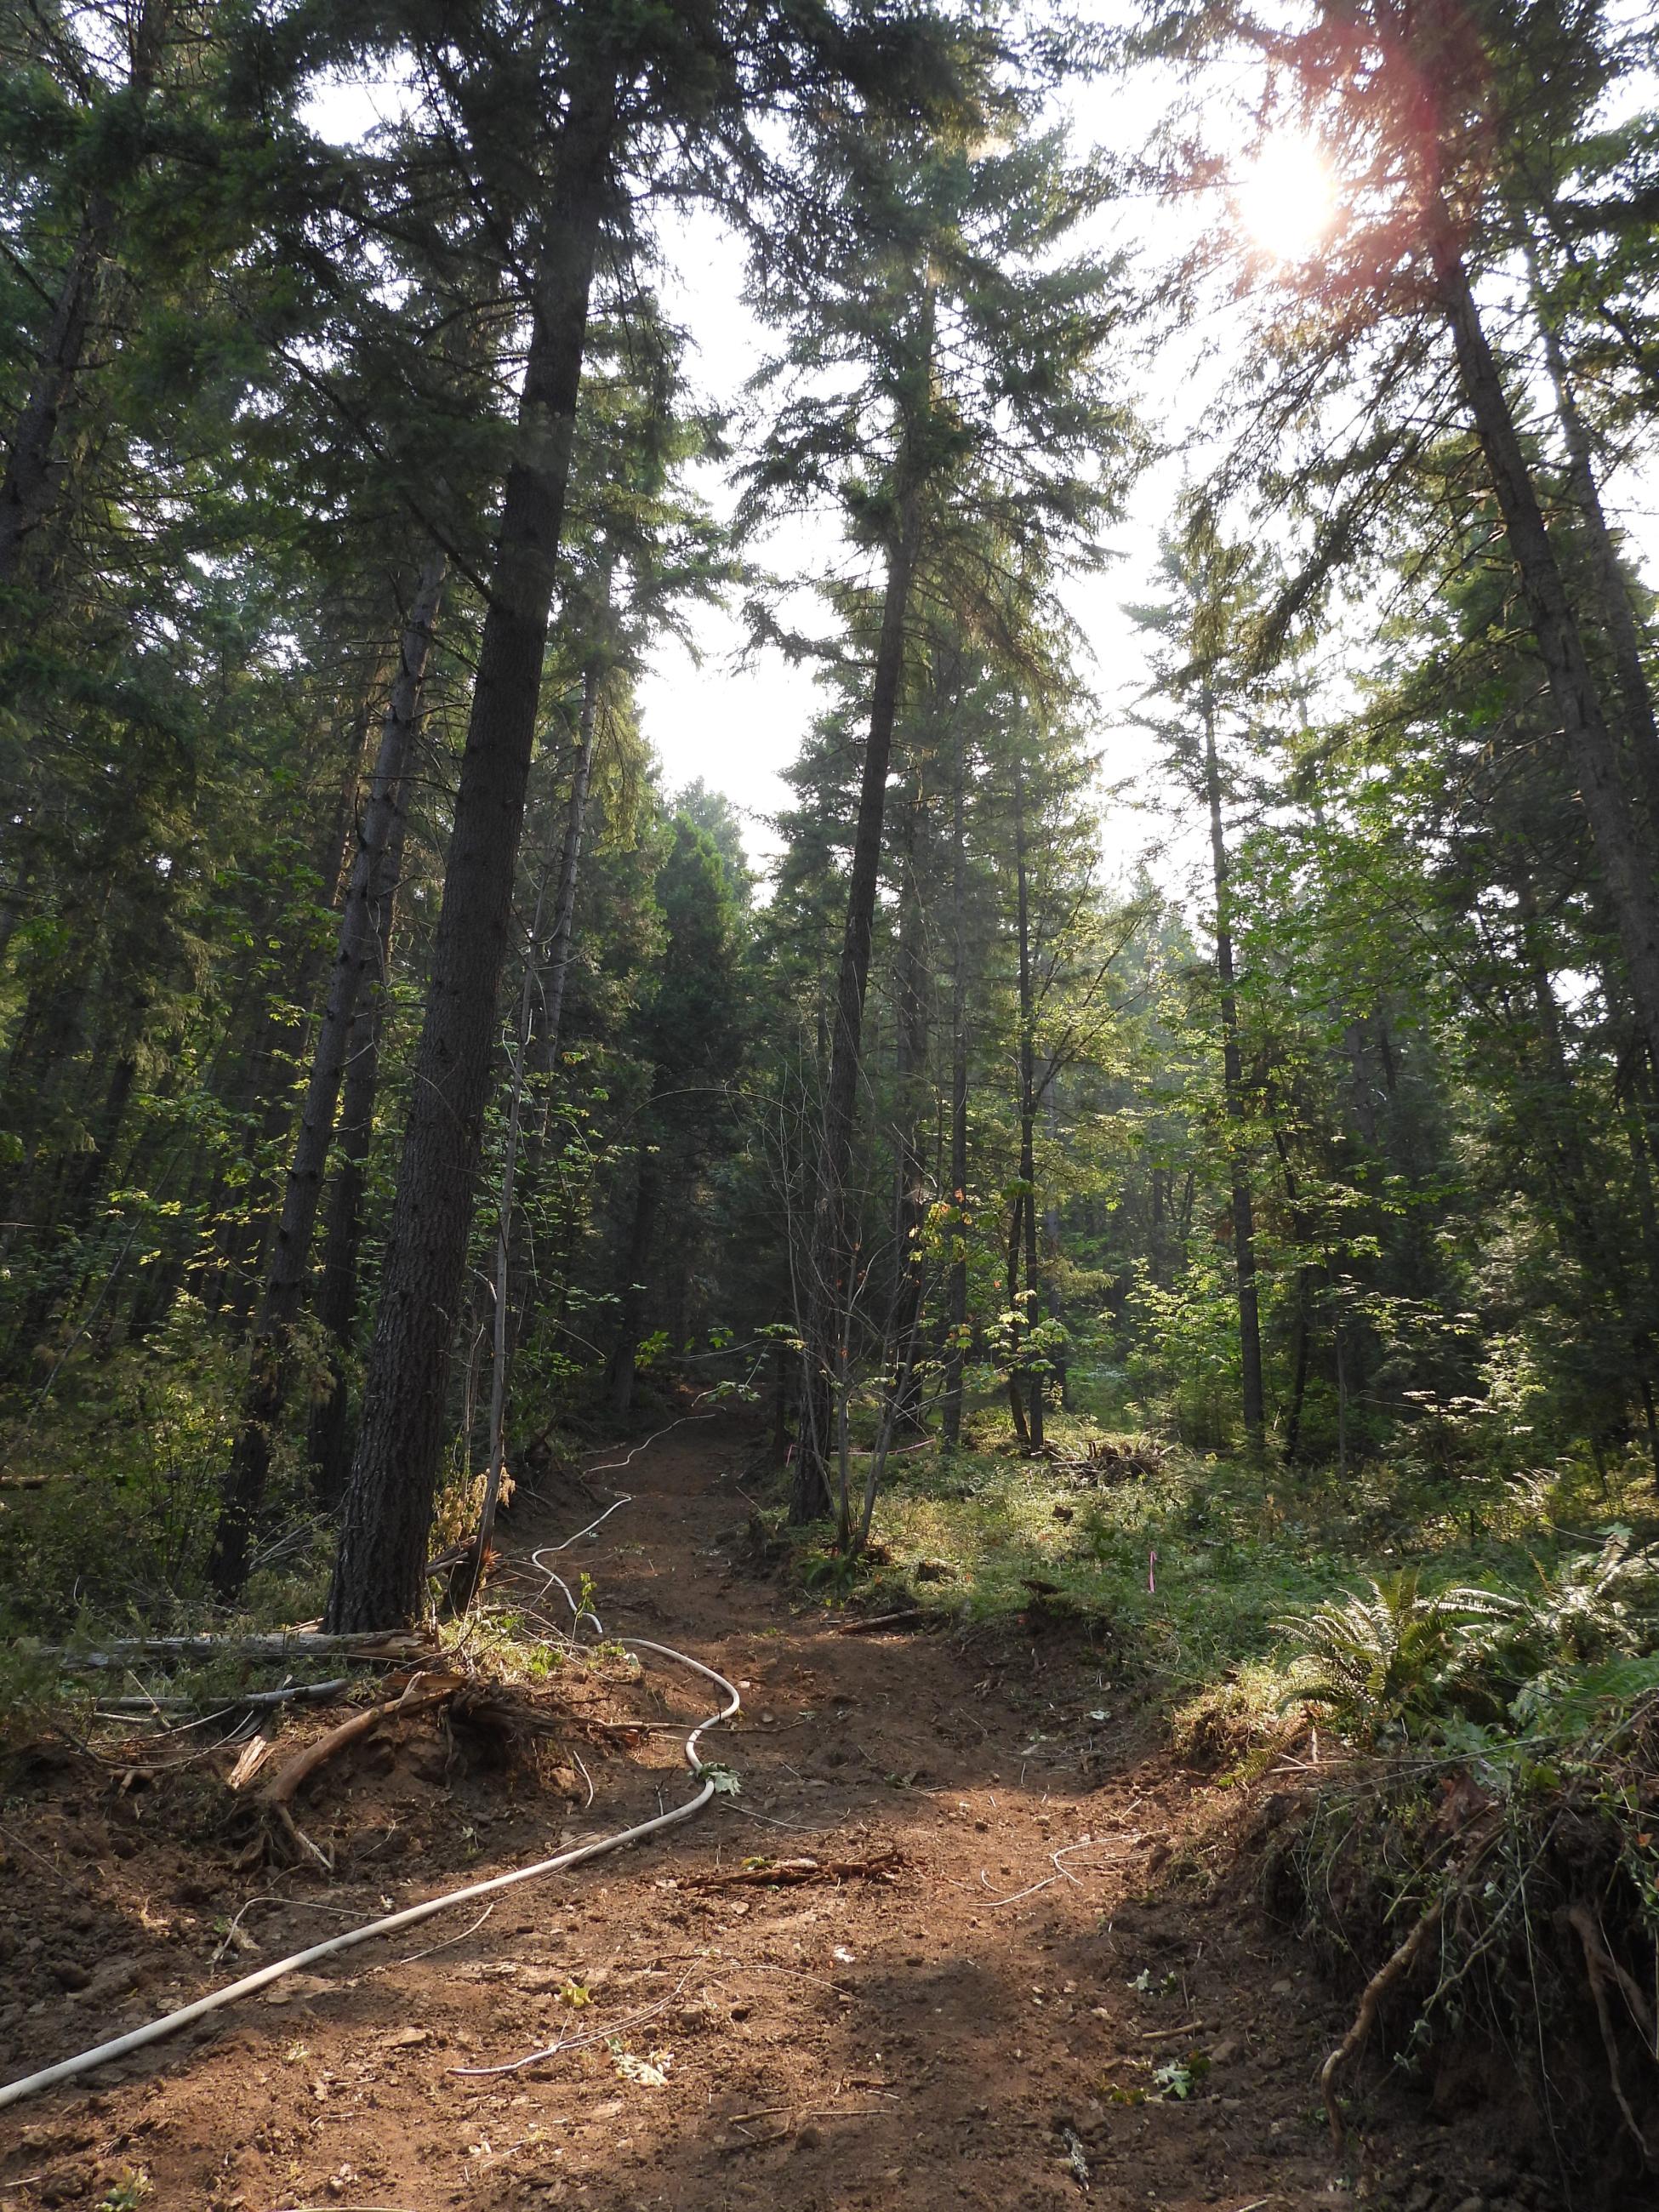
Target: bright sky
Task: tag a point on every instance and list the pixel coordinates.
(738, 721)
(739, 724)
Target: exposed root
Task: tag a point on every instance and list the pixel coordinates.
(1365, 2019)
(1589, 1935)
(279, 1834)
(1602, 1971)
(85, 2062)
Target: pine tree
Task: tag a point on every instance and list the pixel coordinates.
(935, 452)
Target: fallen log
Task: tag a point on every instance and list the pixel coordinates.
(285, 1644)
(304, 1693)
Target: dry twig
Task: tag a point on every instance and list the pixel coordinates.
(880, 1866)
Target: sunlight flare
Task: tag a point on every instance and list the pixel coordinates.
(1286, 200)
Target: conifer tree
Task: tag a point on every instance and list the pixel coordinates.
(971, 412)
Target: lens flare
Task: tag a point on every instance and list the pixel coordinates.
(1286, 200)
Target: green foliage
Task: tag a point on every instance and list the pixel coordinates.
(127, 2195)
(128, 1465)
(1585, 1632)
(1380, 1657)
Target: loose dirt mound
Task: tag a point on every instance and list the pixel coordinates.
(1007, 1978)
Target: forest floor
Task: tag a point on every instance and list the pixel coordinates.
(1053, 1938)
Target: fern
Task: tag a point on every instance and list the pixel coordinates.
(1380, 1655)
(1597, 1603)
(1392, 1657)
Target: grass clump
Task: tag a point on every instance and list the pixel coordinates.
(1207, 1565)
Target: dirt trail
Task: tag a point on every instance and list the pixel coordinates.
(973, 2029)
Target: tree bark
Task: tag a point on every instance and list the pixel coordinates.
(830, 1290)
(910, 1210)
(1023, 1302)
(624, 1360)
(26, 489)
(270, 1360)
(464, 1583)
(570, 853)
(1055, 1362)
(550, 1010)
(1249, 1320)
(1613, 606)
(1591, 749)
(1306, 1282)
(336, 1291)
(387, 1513)
(1015, 1403)
(955, 1347)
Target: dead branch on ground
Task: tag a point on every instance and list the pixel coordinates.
(880, 1866)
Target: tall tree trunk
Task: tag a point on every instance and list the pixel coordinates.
(388, 1512)
(1614, 608)
(1015, 1403)
(270, 1370)
(81, 1180)
(1249, 1320)
(1055, 1360)
(464, 1584)
(956, 1346)
(624, 1360)
(337, 1289)
(27, 486)
(1591, 749)
(1558, 1124)
(1301, 1345)
(1306, 1285)
(27, 489)
(1024, 1302)
(910, 1210)
(830, 1288)
(570, 853)
(551, 1005)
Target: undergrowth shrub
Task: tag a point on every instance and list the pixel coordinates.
(118, 1524)
(1516, 1817)
(1397, 1658)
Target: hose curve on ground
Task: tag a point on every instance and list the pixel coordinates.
(13, 2092)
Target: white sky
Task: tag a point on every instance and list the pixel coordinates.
(739, 723)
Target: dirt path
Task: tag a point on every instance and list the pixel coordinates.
(980, 2029)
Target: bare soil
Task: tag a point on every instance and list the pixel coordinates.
(1023, 1908)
